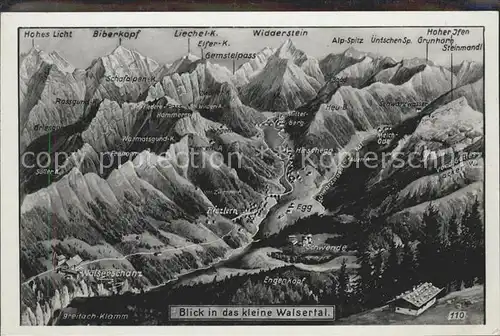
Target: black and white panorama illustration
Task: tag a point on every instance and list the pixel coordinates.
(339, 168)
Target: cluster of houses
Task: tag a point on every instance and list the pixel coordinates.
(68, 266)
(277, 197)
(114, 285)
(295, 175)
(71, 263)
(288, 211)
(305, 241)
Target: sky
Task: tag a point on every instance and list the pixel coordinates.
(161, 45)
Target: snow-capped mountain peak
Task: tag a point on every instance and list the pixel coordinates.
(288, 51)
(251, 68)
(37, 55)
(60, 62)
(468, 72)
(121, 50)
(354, 53)
(280, 86)
(191, 57)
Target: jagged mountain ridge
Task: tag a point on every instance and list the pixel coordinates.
(312, 69)
(468, 72)
(289, 79)
(122, 62)
(280, 86)
(102, 142)
(332, 64)
(156, 189)
(287, 50)
(249, 69)
(404, 70)
(352, 110)
(188, 87)
(365, 58)
(344, 197)
(44, 80)
(76, 189)
(54, 94)
(402, 193)
(210, 89)
(113, 123)
(163, 198)
(115, 120)
(228, 109)
(181, 65)
(308, 64)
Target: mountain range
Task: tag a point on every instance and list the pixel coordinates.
(121, 202)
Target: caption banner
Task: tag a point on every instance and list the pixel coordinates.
(252, 312)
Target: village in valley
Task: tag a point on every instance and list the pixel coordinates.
(74, 268)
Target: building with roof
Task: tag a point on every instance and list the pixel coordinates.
(414, 302)
(61, 259)
(307, 240)
(74, 261)
(292, 239)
